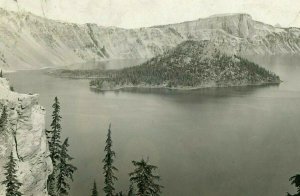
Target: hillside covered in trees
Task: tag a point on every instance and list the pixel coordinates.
(192, 64)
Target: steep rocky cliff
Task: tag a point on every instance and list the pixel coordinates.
(241, 34)
(29, 41)
(28, 144)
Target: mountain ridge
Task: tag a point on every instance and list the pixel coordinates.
(28, 41)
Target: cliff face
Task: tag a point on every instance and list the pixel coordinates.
(29, 145)
(28, 41)
(242, 35)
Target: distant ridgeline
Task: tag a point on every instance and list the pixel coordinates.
(28, 41)
(190, 65)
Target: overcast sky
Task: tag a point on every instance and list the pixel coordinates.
(142, 13)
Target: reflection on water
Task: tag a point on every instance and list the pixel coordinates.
(106, 65)
(194, 92)
(222, 141)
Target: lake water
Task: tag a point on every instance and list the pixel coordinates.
(212, 142)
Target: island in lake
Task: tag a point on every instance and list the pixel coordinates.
(190, 65)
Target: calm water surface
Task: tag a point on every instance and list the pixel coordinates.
(211, 142)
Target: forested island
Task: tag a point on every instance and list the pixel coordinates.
(190, 65)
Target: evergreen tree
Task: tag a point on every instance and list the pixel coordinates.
(66, 170)
(295, 180)
(94, 190)
(131, 190)
(54, 146)
(51, 184)
(11, 181)
(55, 143)
(3, 120)
(1, 74)
(145, 179)
(108, 166)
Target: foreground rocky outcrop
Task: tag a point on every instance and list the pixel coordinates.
(28, 41)
(191, 65)
(29, 144)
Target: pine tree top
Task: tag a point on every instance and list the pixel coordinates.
(11, 181)
(56, 108)
(3, 119)
(55, 133)
(94, 189)
(108, 160)
(108, 167)
(145, 179)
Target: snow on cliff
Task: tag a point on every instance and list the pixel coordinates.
(27, 118)
(28, 41)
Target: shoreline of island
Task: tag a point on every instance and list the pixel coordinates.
(183, 88)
